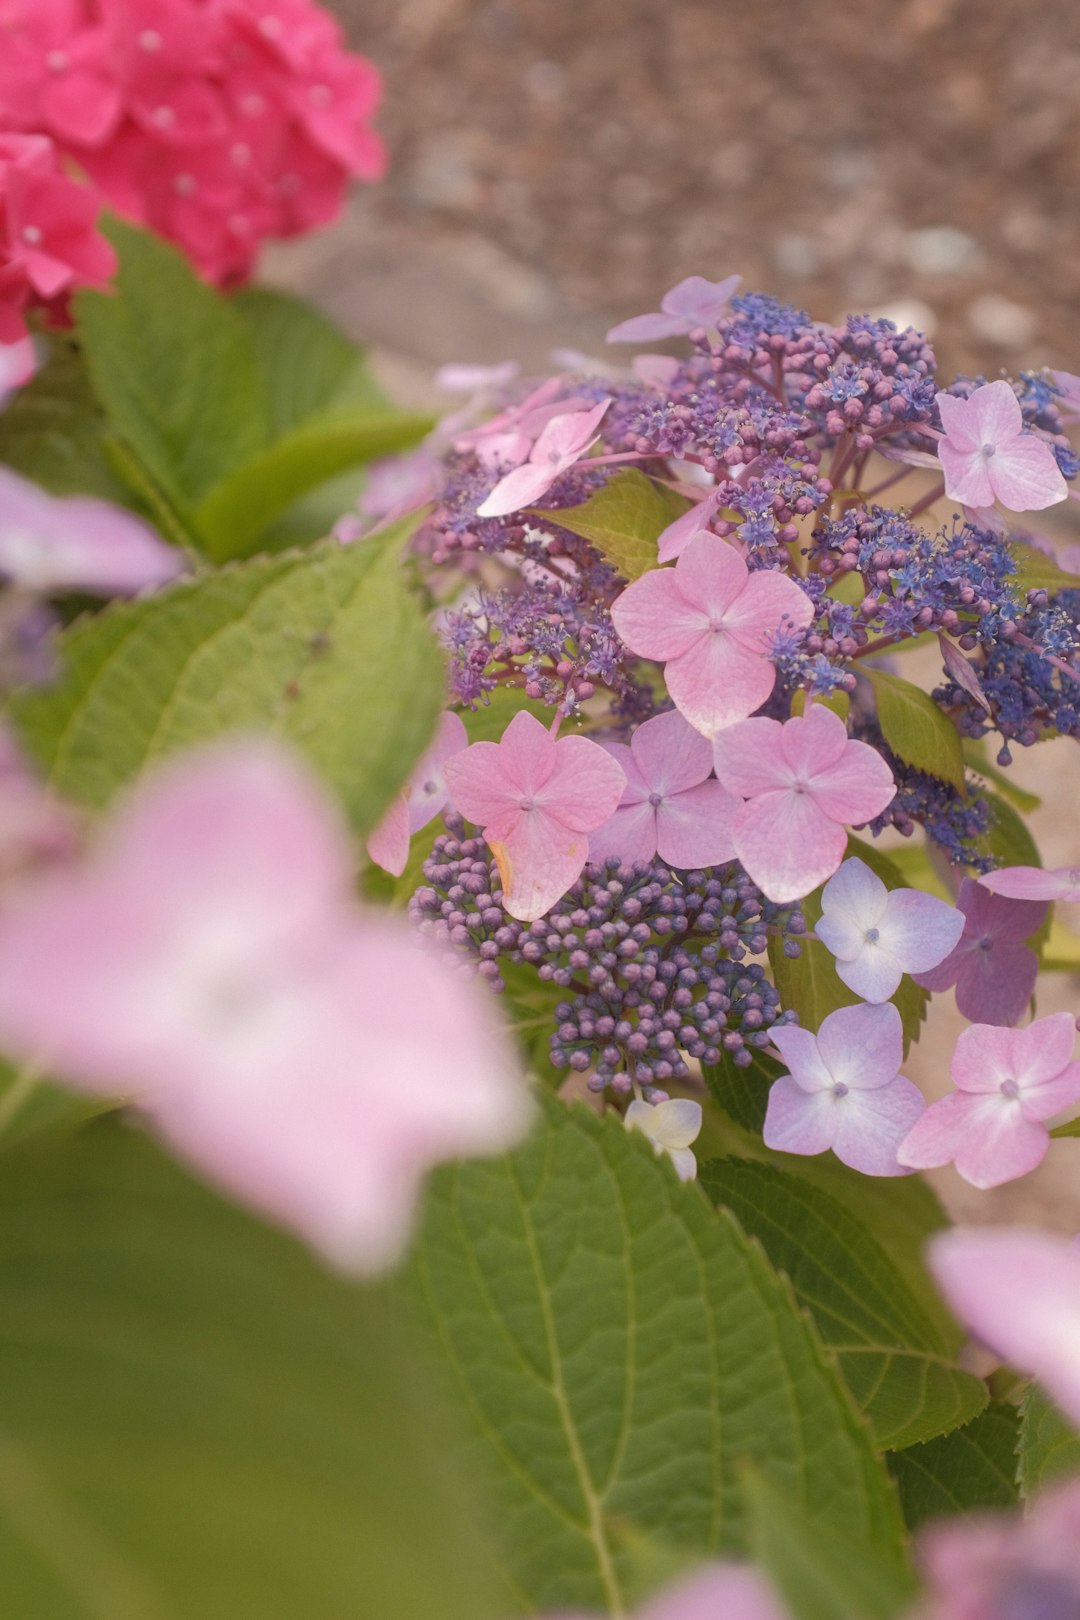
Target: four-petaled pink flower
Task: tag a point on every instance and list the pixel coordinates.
(844, 1090)
(537, 800)
(1008, 1082)
(209, 962)
(1034, 883)
(668, 807)
(987, 455)
(878, 934)
(693, 302)
(1018, 1291)
(77, 543)
(559, 445)
(421, 799)
(805, 780)
(993, 970)
(708, 620)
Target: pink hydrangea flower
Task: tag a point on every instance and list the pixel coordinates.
(558, 446)
(668, 807)
(715, 1592)
(693, 302)
(708, 620)
(1018, 1291)
(844, 1090)
(1034, 883)
(1005, 1566)
(209, 962)
(1008, 1082)
(537, 800)
(993, 970)
(217, 124)
(678, 535)
(49, 240)
(878, 934)
(77, 543)
(1068, 384)
(421, 800)
(987, 455)
(804, 781)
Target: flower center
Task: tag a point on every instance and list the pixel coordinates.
(839, 1089)
(57, 61)
(150, 40)
(988, 451)
(872, 936)
(31, 234)
(1010, 1089)
(656, 800)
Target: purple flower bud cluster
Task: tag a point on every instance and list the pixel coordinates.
(656, 959)
(955, 821)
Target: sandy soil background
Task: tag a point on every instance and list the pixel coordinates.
(557, 164)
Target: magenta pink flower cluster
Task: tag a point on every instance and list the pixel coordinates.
(218, 123)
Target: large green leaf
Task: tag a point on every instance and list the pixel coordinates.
(893, 1358)
(309, 366)
(53, 431)
(175, 368)
(743, 1092)
(972, 1469)
(823, 1572)
(621, 1351)
(623, 520)
(916, 730)
(196, 1420)
(326, 647)
(242, 505)
(1048, 1446)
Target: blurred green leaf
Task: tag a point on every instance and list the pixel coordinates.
(743, 1093)
(620, 1351)
(970, 1470)
(53, 430)
(1048, 1446)
(196, 1420)
(1037, 571)
(309, 366)
(325, 647)
(623, 520)
(892, 1356)
(916, 730)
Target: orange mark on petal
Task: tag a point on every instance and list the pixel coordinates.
(503, 862)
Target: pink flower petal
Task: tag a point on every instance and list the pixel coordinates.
(862, 1047)
(655, 619)
(1026, 477)
(959, 420)
(629, 834)
(1032, 883)
(766, 599)
(652, 328)
(537, 863)
(967, 476)
(670, 754)
(798, 1121)
(855, 789)
(694, 827)
(985, 1136)
(994, 413)
(871, 1125)
(749, 759)
(799, 1050)
(426, 790)
(481, 789)
(993, 986)
(585, 785)
(388, 843)
(678, 535)
(521, 487)
(717, 682)
(787, 845)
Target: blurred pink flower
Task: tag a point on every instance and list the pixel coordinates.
(987, 455)
(558, 446)
(49, 240)
(76, 543)
(34, 827)
(998, 1566)
(805, 780)
(693, 302)
(668, 807)
(878, 934)
(844, 1090)
(1008, 1082)
(1034, 882)
(420, 801)
(18, 362)
(209, 961)
(537, 800)
(993, 970)
(708, 620)
(714, 1592)
(1018, 1291)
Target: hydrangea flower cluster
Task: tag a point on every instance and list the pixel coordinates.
(219, 123)
(49, 239)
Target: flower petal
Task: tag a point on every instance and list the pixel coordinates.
(872, 1124)
(749, 760)
(695, 827)
(1026, 476)
(787, 845)
(798, 1121)
(717, 682)
(670, 753)
(519, 488)
(799, 1050)
(1033, 883)
(537, 863)
(655, 619)
(629, 833)
(585, 784)
(862, 1046)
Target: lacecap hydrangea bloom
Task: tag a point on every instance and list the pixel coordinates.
(218, 123)
(707, 551)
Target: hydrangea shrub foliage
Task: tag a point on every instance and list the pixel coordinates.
(469, 892)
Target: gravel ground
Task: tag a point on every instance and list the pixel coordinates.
(556, 167)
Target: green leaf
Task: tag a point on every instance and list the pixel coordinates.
(1008, 839)
(325, 647)
(1048, 1446)
(743, 1093)
(234, 515)
(623, 520)
(309, 366)
(1037, 571)
(823, 1572)
(620, 1352)
(916, 730)
(53, 430)
(968, 1471)
(198, 1420)
(892, 1356)
(174, 367)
